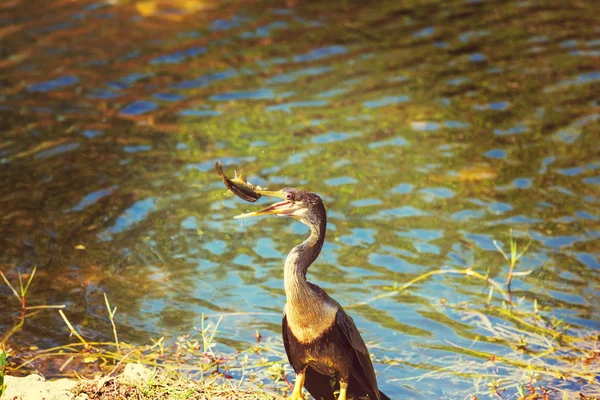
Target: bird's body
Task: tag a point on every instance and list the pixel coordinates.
(322, 342)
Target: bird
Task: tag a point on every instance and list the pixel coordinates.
(321, 340)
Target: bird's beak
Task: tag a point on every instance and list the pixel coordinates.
(284, 207)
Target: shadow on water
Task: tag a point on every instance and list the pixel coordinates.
(430, 129)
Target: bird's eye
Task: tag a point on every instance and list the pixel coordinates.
(288, 196)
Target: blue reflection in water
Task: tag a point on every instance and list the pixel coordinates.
(54, 84)
(522, 183)
(556, 241)
(225, 24)
(496, 106)
(571, 133)
(189, 223)
(129, 56)
(570, 171)
(61, 26)
(424, 32)
(254, 94)
(425, 126)
(321, 52)
(168, 96)
(477, 57)
(583, 79)
(396, 141)
(244, 259)
(263, 31)
(102, 94)
(204, 80)
(364, 235)
(92, 133)
(515, 130)
(288, 106)
(226, 161)
(595, 180)
(587, 259)
(343, 180)
(331, 137)
(403, 188)
(423, 247)
(292, 76)
(496, 153)
(586, 215)
(136, 213)
(467, 36)
(137, 149)
(422, 234)
(568, 43)
(93, 198)
(393, 263)
(402, 212)
(179, 56)
(366, 202)
(484, 242)
(466, 215)
(139, 107)
(442, 193)
(217, 247)
(267, 248)
(386, 101)
(456, 81)
(299, 157)
(136, 76)
(198, 113)
(54, 151)
(515, 220)
(332, 92)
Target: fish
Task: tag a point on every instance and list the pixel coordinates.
(239, 186)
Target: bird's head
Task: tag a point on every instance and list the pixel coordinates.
(304, 206)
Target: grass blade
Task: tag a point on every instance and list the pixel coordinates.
(73, 331)
(10, 286)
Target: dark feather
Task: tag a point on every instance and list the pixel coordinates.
(362, 381)
(320, 386)
(362, 373)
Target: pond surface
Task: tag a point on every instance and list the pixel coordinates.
(430, 129)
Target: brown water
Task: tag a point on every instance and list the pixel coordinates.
(429, 128)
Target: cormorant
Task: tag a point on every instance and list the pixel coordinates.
(321, 340)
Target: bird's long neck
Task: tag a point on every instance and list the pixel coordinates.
(309, 311)
(297, 289)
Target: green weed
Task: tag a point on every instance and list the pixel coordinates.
(514, 257)
(2, 369)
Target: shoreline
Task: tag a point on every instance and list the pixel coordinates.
(135, 382)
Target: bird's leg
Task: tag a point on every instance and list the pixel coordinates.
(298, 385)
(343, 390)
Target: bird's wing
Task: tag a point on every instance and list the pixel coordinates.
(366, 375)
(284, 333)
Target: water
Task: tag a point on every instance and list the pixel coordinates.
(430, 129)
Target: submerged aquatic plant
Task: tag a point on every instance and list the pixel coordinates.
(21, 296)
(543, 358)
(22, 288)
(514, 257)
